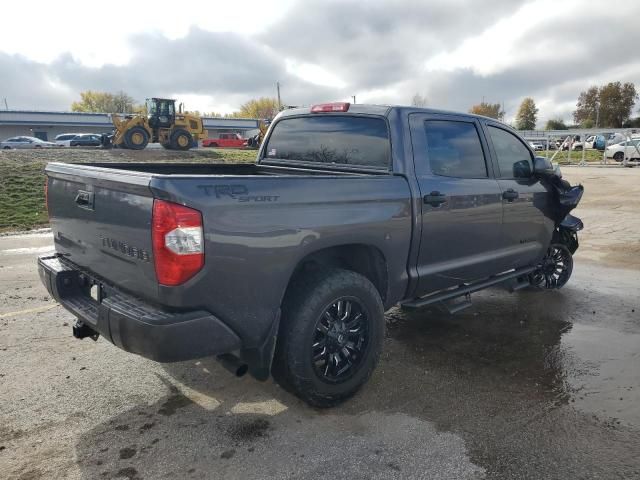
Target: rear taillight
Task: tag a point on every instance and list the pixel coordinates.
(330, 107)
(178, 248)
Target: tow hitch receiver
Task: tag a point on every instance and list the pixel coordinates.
(81, 330)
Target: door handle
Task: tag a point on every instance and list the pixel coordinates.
(435, 199)
(84, 199)
(510, 195)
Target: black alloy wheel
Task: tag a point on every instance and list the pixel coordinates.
(555, 269)
(340, 340)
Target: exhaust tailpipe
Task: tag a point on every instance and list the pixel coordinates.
(233, 364)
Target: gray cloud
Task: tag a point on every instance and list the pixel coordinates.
(375, 44)
(372, 46)
(28, 84)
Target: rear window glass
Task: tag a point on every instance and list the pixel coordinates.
(331, 139)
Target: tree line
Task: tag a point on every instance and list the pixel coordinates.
(120, 102)
(606, 106)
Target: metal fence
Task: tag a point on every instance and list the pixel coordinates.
(574, 142)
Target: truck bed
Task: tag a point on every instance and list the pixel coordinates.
(259, 221)
(214, 169)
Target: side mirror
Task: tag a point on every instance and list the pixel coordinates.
(522, 169)
(542, 166)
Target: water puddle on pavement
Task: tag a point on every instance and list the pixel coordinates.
(601, 370)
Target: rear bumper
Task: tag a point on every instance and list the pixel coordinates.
(131, 324)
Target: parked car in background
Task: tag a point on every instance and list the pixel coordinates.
(226, 140)
(595, 141)
(86, 140)
(64, 139)
(573, 143)
(615, 138)
(630, 147)
(25, 142)
(538, 146)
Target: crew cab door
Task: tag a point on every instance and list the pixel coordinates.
(527, 223)
(461, 205)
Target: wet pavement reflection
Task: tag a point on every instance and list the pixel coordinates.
(541, 382)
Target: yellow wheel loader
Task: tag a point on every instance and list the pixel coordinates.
(159, 124)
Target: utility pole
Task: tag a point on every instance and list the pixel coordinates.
(6, 105)
(354, 99)
(279, 102)
(597, 114)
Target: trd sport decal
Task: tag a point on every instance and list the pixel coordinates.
(239, 193)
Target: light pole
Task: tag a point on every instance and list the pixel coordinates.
(278, 89)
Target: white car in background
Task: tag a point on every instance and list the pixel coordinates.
(615, 138)
(629, 148)
(25, 142)
(64, 139)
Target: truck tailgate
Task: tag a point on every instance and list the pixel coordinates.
(101, 221)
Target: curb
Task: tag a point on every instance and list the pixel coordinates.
(26, 232)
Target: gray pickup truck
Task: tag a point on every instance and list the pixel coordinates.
(286, 266)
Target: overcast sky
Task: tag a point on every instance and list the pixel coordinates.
(216, 55)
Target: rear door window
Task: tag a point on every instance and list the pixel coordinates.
(331, 139)
(454, 149)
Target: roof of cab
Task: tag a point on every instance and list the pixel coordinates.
(384, 110)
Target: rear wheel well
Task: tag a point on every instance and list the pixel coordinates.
(366, 260)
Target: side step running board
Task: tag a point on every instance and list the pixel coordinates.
(470, 288)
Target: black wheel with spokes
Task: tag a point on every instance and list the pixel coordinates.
(330, 338)
(340, 340)
(555, 269)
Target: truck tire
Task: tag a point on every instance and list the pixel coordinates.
(180, 139)
(331, 336)
(136, 138)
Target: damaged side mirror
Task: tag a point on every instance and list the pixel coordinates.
(543, 167)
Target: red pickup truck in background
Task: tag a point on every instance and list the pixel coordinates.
(226, 140)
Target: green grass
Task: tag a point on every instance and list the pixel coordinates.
(576, 157)
(21, 194)
(22, 205)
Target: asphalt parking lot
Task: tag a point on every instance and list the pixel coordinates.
(528, 385)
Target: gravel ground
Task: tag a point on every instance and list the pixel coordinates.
(527, 385)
